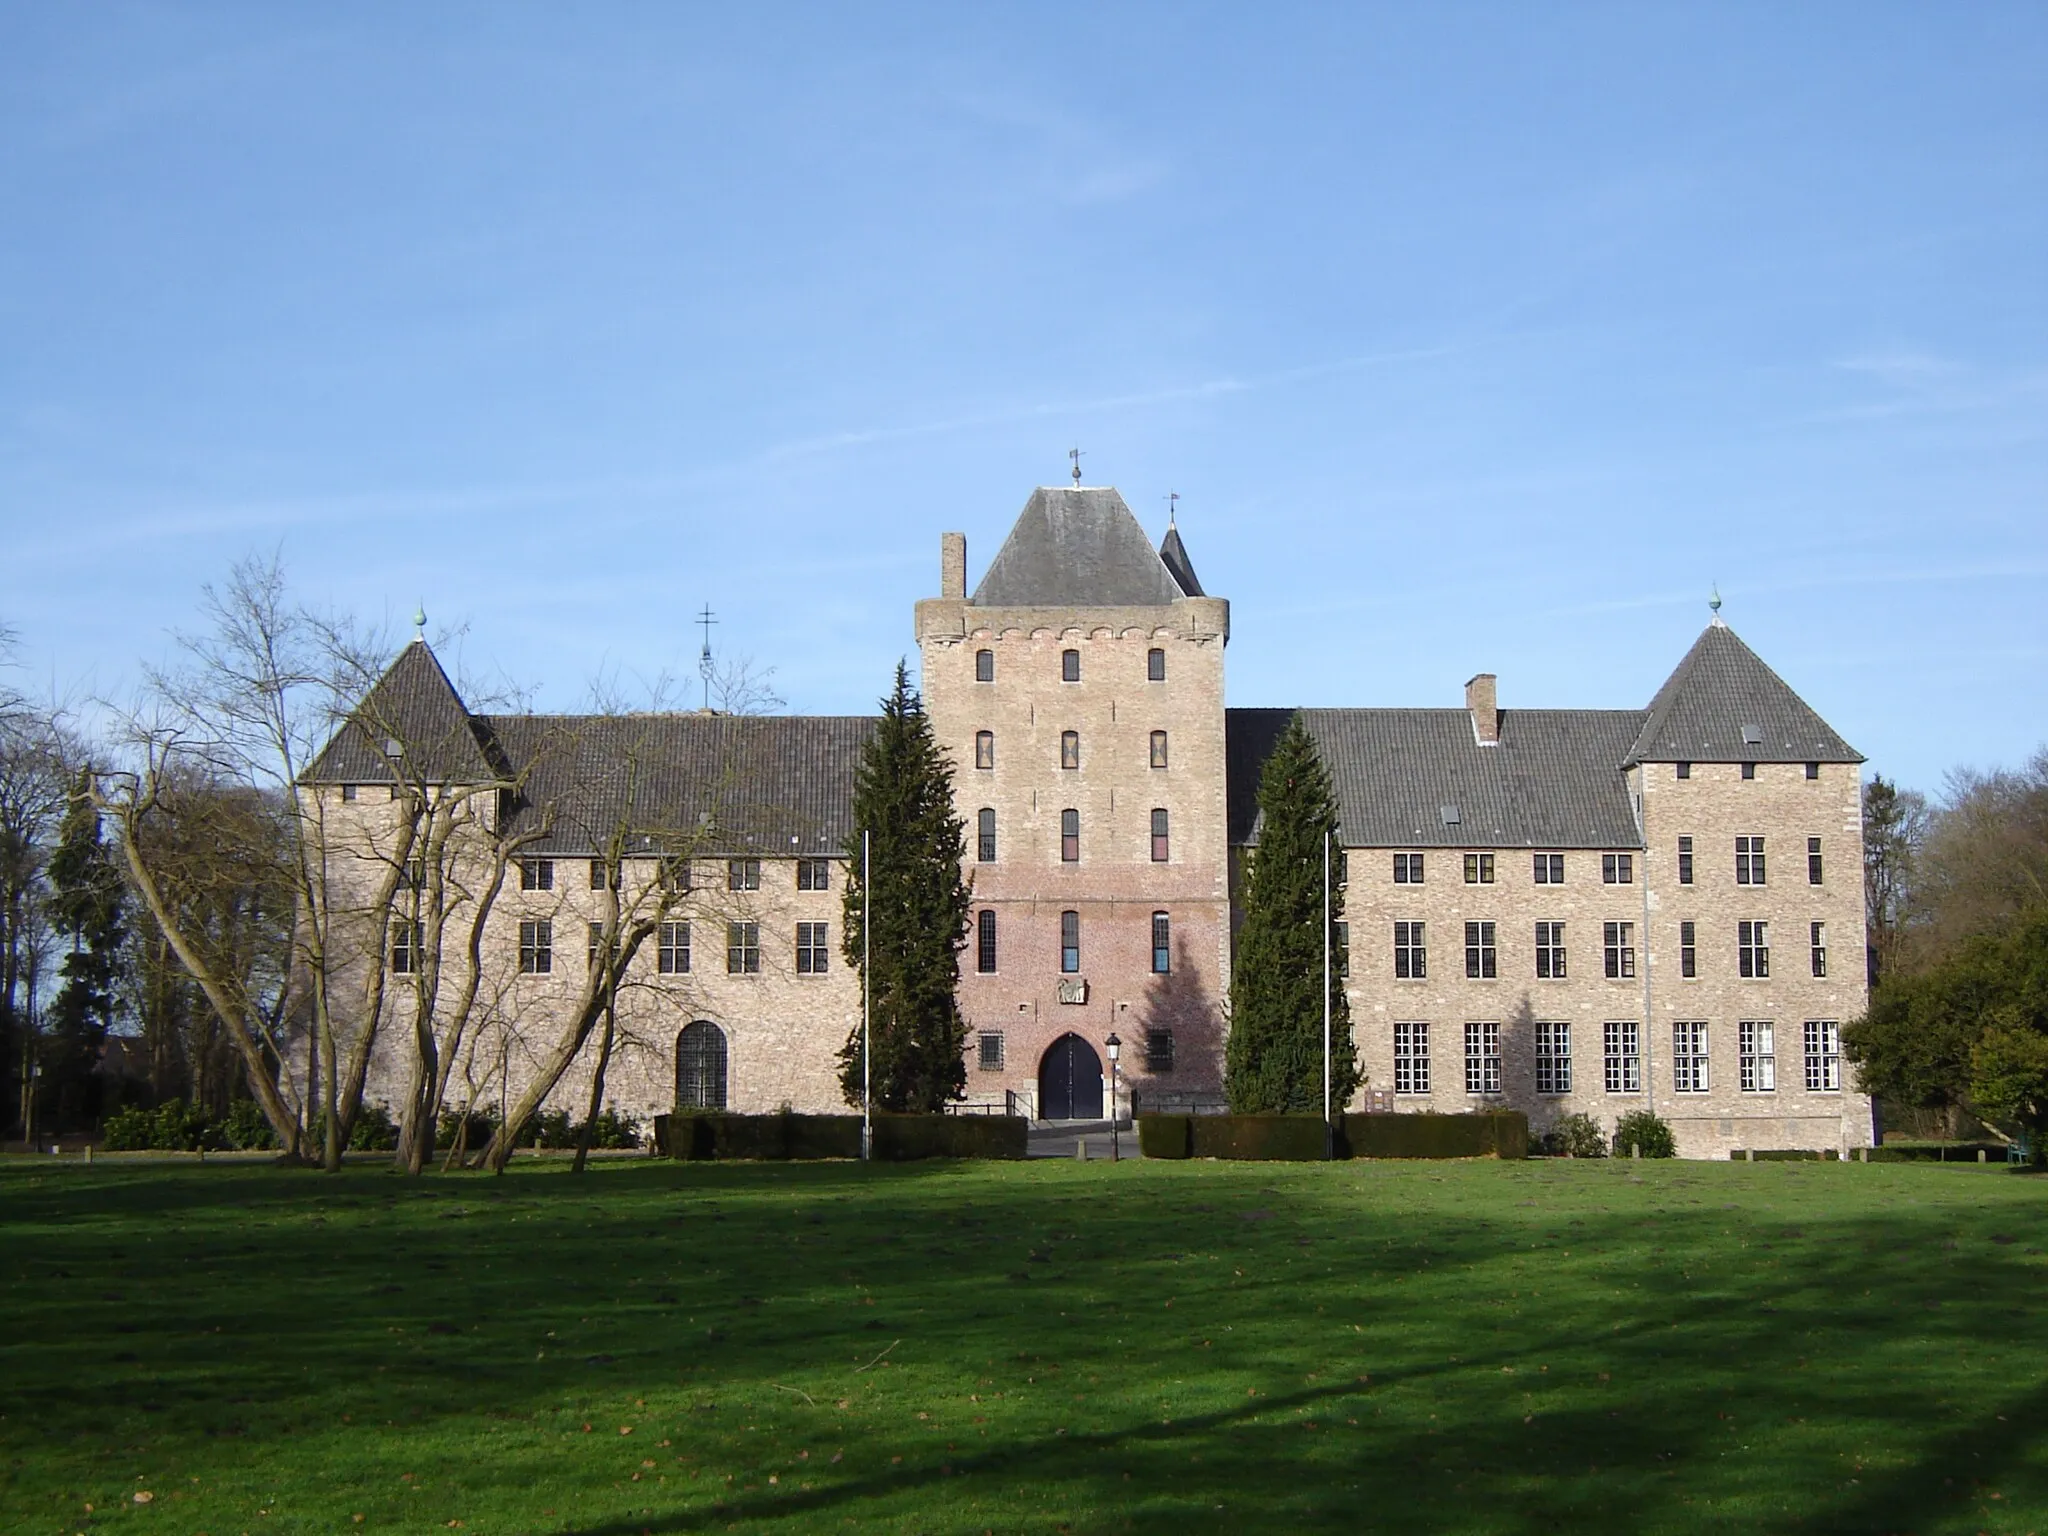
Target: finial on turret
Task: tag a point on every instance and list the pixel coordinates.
(1172, 505)
(419, 622)
(1075, 455)
(1714, 601)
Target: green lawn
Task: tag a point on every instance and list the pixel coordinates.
(1540, 1347)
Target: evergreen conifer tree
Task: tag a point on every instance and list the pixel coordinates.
(85, 905)
(903, 798)
(1274, 1062)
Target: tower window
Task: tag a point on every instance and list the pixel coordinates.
(985, 942)
(1070, 942)
(1162, 944)
(1070, 666)
(1159, 749)
(1160, 841)
(984, 749)
(984, 666)
(1070, 749)
(1070, 837)
(985, 835)
(1155, 665)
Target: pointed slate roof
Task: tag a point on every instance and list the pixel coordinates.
(1076, 548)
(1174, 555)
(414, 705)
(1724, 705)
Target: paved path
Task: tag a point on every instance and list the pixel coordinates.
(1056, 1138)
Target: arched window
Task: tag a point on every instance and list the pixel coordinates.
(985, 942)
(984, 749)
(1160, 841)
(1159, 749)
(985, 835)
(1070, 666)
(1162, 944)
(700, 1066)
(1070, 942)
(1155, 665)
(984, 666)
(1070, 749)
(1070, 837)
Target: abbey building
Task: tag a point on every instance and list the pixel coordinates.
(1549, 910)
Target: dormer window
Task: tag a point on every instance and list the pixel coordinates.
(1070, 666)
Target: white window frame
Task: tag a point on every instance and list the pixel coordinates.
(1823, 1041)
(1621, 1048)
(1482, 1059)
(1553, 1057)
(1411, 1059)
(1757, 1056)
(1689, 1057)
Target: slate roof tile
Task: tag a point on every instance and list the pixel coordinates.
(1722, 704)
(1078, 548)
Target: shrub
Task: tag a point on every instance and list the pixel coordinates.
(1575, 1136)
(374, 1130)
(245, 1129)
(128, 1130)
(1641, 1128)
(1167, 1136)
(612, 1131)
(481, 1126)
(906, 1138)
(551, 1128)
(1500, 1133)
(1258, 1138)
(702, 1137)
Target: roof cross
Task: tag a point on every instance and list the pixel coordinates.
(706, 619)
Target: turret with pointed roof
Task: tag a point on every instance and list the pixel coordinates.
(1722, 704)
(413, 714)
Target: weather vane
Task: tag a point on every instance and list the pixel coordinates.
(1172, 506)
(1075, 455)
(707, 619)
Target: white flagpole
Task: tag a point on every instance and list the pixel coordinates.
(1329, 1140)
(867, 991)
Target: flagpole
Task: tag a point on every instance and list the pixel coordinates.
(1329, 1140)
(867, 990)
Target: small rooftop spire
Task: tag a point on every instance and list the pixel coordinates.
(1075, 455)
(1714, 601)
(704, 668)
(1172, 505)
(419, 622)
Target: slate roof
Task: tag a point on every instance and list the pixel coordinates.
(1076, 548)
(1554, 781)
(1174, 556)
(1724, 705)
(415, 705)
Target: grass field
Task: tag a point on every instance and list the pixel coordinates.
(1512, 1347)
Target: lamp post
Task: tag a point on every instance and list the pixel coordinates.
(1115, 1048)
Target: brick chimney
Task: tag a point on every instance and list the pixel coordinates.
(1479, 699)
(952, 565)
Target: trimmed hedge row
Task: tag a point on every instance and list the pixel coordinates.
(1299, 1138)
(793, 1137)
(1938, 1152)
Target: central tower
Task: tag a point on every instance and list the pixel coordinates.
(1079, 693)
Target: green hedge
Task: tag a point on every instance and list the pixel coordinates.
(906, 1138)
(1938, 1152)
(1495, 1133)
(1256, 1138)
(1165, 1136)
(1782, 1155)
(898, 1138)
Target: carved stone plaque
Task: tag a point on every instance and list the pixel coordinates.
(1074, 990)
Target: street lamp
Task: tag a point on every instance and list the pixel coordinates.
(1115, 1048)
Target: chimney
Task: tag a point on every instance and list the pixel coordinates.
(952, 565)
(1479, 699)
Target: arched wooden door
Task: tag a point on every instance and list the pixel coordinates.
(1070, 1081)
(700, 1066)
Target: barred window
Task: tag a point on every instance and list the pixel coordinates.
(1823, 1056)
(1070, 749)
(1813, 866)
(1479, 951)
(1550, 951)
(1158, 1050)
(1070, 666)
(1162, 944)
(1617, 869)
(1161, 843)
(1618, 946)
(1070, 836)
(1689, 1057)
(1155, 665)
(1753, 949)
(1549, 869)
(672, 949)
(1407, 869)
(814, 874)
(742, 949)
(1749, 861)
(985, 835)
(1756, 1056)
(1482, 1058)
(985, 942)
(1818, 942)
(1685, 861)
(991, 1043)
(1553, 1057)
(1621, 1057)
(408, 946)
(984, 666)
(1479, 869)
(1070, 942)
(1411, 1058)
(1411, 955)
(536, 874)
(1688, 949)
(984, 749)
(811, 949)
(536, 947)
(743, 874)
(1159, 749)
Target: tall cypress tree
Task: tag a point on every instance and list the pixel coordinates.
(903, 798)
(1274, 1063)
(85, 905)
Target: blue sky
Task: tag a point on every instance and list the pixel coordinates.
(1473, 337)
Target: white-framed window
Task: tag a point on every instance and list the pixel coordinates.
(1689, 1057)
(1817, 943)
(1550, 951)
(1757, 1056)
(742, 949)
(408, 945)
(1823, 1056)
(1617, 869)
(1685, 861)
(984, 749)
(1479, 869)
(1159, 749)
(743, 874)
(991, 1044)
(1621, 1058)
(812, 950)
(1411, 1058)
(1407, 869)
(536, 947)
(1553, 1057)
(814, 874)
(1481, 958)
(1618, 949)
(1753, 949)
(1689, 949)
(536, 874)
(672, 950)
(1482, 1058)
(1411, 953)
(1749, 861)
(1813, 861)
(1549, 869)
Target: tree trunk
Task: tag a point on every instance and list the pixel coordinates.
(604, 1056)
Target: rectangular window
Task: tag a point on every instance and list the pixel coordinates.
(985, 942)
(1617, 869)
(1813, 869)
(1411, 1058)
(593, 943)
(1618, 942)
(597, 874)
(408, 943)
(1689, 1058)
(1482, 1058)
(1553, 1058)
(1550, 869)
(1550, 951)
(1160, 842)
(1340, 940)
(991, 1042)
(1407, 869)
(348, 791)
(536, 947)
(1070, 837)
(1756, 1057)
(536, 874)
(1162, 944)
(743, 874)
(1479, 869)
(814, 874)
(1158, 1050)
(984, 666)
(672, 949)
(1684, 770)
(675, 875)
(1479, 951)
(811, 949)
(1411, 955)
(1070, 749)
(1749, 770)
(1159, 749)
(984, 749)
(1621, 1058)
(742, 949)
(1155, 665)
(985, 835)
(1688, 949)
(1749, 861)
(1685, 861)
(1823, 1056)
(1070, 666)
(1813, 770)
(1753, 949)
(1817, 937)
(1070, 943)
